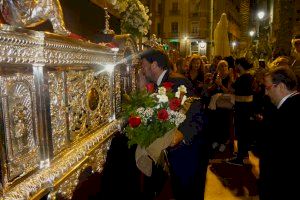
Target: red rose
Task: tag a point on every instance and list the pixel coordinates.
(174, 104)
(168, 85)
(134, 121)
(150, 87)
(163, 115)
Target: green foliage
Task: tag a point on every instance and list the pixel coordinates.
(145, 134)
(135, 101)
(146, 106)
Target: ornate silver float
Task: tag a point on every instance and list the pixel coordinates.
(60, 99)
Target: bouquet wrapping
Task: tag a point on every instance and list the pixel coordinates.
(152, 121)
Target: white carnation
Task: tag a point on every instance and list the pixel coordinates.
(162, 98)
(182, 89)
(162, 90)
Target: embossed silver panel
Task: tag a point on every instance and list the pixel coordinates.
(77, 110)
(101, 114)
(125, 72)
(81, 117)
(58, 111)
(18, 102)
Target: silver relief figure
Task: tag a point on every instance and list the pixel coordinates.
(20, 129)
(30, 13)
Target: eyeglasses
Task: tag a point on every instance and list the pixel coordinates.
(268, 87)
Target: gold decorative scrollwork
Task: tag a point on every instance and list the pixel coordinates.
(118, 89)
(98, 157)
(63, 173)
(76, 86)
(100, 115)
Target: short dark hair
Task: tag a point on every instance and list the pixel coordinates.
(159, 56)
(230, 61)
(244, 63)
(284, 75)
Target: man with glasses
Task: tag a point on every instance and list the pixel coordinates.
(277, 166)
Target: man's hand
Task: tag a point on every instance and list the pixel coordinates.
(142, 81)
(178, 137)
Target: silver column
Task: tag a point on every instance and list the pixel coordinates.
(43, 113)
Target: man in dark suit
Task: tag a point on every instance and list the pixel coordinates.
(188, 154)
(277, 166)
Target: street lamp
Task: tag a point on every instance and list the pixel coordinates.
(251, 33)
(262, 33)
(185, 39)
(261, 15)
(233, 44)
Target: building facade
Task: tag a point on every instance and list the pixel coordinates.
(188, 25)
(296, 19)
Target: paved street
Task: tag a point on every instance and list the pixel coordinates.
(230, 182)
(224, 181)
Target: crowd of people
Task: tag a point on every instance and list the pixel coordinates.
(257, 107)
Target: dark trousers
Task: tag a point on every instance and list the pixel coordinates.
(242, 122)
(221, 120)
(152, 186)
(188, 170)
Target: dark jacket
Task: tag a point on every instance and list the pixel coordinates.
(195, 117)
(189, 159)
(277, 163)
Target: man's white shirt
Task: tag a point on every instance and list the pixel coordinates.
(285, 98)
(159, 80)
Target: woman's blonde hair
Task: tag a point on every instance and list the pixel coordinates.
(281, 61)
(221, 63)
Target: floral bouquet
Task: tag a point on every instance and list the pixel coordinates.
(134, 17)
(152, 121)
(150, 115)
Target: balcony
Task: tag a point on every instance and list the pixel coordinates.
(174, 12)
